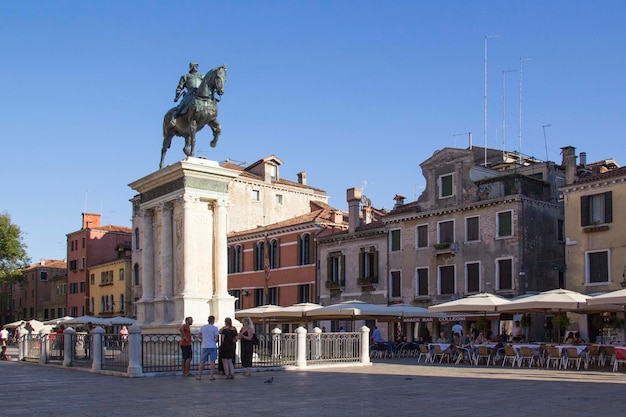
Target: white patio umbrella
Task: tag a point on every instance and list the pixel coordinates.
(351, 309)
(614, 297)
(122, 320)
(96, 321)
(300, 309)
(260, 312)
(559, 300)
(478, 303)
(411, 311)
(57, 321)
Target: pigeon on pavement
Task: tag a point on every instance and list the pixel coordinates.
(269, 381)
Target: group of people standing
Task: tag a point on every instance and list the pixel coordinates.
(226, 338)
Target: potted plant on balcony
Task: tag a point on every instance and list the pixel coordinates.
(443, 245)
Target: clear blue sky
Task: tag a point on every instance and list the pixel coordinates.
(355, 93)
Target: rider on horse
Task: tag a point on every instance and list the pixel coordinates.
(190, 81)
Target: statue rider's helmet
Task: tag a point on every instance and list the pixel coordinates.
(193, 65)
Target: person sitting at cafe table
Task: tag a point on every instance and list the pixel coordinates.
(442, 338)
(481, 339)
(572, 338)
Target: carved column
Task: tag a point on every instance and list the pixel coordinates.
(221, 249)
(147, 267)
(166, 250)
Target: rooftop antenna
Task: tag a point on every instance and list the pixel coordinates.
(544, 140)
(504, 108)
(487, 37)
(521, 61)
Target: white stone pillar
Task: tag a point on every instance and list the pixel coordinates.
(69, 335)
(189, 255)
(44, 346)
(96, 348)
(301, 347)
(147, 261)
(276, 342)
(365, 345)
(221, 248)
(166, 251)
(134, 345)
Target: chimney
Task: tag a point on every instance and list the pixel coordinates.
(569, 162)
(91, 220)
(367, 214)
(42, 262)
(399, 198)
(583, 159)
(302, 177)
(354, 199)
(337, 216)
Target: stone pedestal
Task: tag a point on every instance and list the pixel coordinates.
(182, 256)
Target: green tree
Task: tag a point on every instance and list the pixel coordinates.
(13, 254)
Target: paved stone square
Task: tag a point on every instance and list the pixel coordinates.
(391, 388)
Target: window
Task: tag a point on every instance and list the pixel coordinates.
(259, 256)
(235, 259)
(92, 306)
(121, 306)
(237, 295)
(446, 231)
(83, 243)
(73, 312)
(560, 230)
(274, 254)
(136, 238)
(446, 280)
(82, 263)
(304, 293)
(446, 188)
(305, 249)
(73, 265)
(82, 286)
(258, 297)
(46, 313)
(273, 296)
(136, 275)
(273, 172)
(43, 276)
(256, 195)
(505, 223)
(73, 288)
(596, 209)
(394, 240)
(422, 282)
(336, 272)
(597, 268)
(472, 276)
(472, 229)
(368, 264)
(395, 284)
(92, 279)
(504, 272)
(422, 236)
(121, 274)
(279, 199)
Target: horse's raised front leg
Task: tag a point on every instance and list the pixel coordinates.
(217, 130)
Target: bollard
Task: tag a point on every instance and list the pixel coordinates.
(365, 345)
(134, 348)
(317, 344)
(301, 347)
(96, 348)
(44, 336)
(276, 343)
(68, 346)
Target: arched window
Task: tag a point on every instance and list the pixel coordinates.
(305, 250)
(121, 307)
(259, 256)
(274, 252)
(112, 305)
(103, 304)
(136, 238)
(136, 275)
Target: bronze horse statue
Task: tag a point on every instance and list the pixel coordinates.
(202, 110)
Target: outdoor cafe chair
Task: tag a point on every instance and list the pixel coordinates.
(509, 355)
(527, 355)
(554, 357)
(441, 354)
(424, 353)
(594, 356)
(574, 358)
(484, 353)
(608, 353)
(620, 357)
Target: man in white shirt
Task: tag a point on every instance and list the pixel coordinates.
(209, 334)
(4, 336)
(458, 329)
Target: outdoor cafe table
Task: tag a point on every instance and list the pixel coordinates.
(431, 349)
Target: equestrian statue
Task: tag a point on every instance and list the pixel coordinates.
(197, 108)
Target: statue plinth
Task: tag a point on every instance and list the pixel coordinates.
(181, 259)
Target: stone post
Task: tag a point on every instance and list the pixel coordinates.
(44, 346)
(69, 335)
(301, 347)
(365, 345)
(134, 348)
(317, 344)
(96, 348)
(276, 342)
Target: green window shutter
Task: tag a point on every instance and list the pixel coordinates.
(608, 207)
(584, 211)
